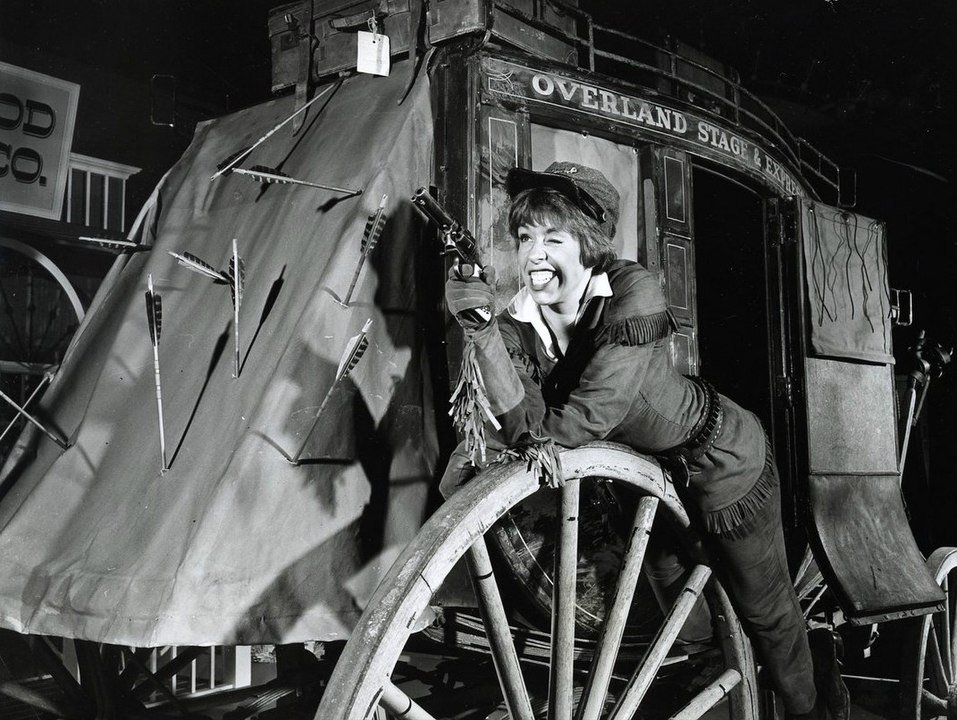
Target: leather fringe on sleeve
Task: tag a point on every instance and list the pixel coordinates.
(637, 330)
(541, 456)
(737, 519)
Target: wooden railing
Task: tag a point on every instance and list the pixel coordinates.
(675, 69)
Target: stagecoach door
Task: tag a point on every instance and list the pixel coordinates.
(837, 381)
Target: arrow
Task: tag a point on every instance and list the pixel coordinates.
(370, 237)
(154, 318)
(264, 174)
(236, 275)
(32, 419)
(351, 356)
(238, 157)
(191, 262)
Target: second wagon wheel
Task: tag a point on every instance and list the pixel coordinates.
(572, 677)
(929, 674)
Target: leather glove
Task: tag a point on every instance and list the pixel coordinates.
(471, 298)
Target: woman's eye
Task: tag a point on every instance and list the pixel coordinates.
(524, 238)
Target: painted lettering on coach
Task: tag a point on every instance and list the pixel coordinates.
(609, 103)
(516, 81)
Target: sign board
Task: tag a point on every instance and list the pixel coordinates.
(37, 113)
(696, 132)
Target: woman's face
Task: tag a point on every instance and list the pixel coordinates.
(550, 261)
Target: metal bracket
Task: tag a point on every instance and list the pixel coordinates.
(784, 388)
(781, 224)
(902, 307)
(303, 80)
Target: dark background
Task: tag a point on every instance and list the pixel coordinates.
(869, 82)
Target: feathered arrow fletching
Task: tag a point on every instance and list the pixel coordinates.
(113, 245)
(226, 166)
(191, 262)
(236, 289)
(268, 175)
(236, 274)
(354, 351)
(154, 318)
(154, 314)
(373, 229)
(370, 236)
(265, 174)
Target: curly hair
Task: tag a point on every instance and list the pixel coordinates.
(547, 206)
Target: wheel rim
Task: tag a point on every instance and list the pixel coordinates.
(361, 679)
(930, 676)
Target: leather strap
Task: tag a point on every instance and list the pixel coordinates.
(305, 65)
(703, 435)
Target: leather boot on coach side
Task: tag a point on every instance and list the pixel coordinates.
(827, 673)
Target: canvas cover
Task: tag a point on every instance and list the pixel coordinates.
(235, 544)
(845, 260)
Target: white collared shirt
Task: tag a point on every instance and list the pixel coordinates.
(523, 308)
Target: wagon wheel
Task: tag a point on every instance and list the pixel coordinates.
(929, 675)
(39, 306)
(363, 678)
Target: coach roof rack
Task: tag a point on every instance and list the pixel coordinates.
(677, 70)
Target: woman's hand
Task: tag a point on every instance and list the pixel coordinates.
(471, 297)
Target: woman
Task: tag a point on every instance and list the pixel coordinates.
(582, 354)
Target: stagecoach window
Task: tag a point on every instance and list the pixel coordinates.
(617, 161)
(675, 189)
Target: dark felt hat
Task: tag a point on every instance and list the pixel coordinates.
(588, 188)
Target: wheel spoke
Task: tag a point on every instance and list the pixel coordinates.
(709, 697)
(374, 653)
(931, 705)
(641, 680)
(951, 639)
(34, 698)
(561, 677)
(946, 644)
(400, 705)
(613, 629)
(500, 638)
(938, 675)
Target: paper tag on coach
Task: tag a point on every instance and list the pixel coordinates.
(373, 53)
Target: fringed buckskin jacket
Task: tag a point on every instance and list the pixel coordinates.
(614, 382)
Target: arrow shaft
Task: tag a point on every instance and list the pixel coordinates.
(269, 134)
(370, 244)
(236, 332)
(159, 404)
(315, 422)
(33, 420)
(237, 297)
(355, 279)
(294, 181)
(353, 357)
(36, 390)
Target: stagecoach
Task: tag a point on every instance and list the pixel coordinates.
(303, 362)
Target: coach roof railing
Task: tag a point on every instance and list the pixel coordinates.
(679, 71)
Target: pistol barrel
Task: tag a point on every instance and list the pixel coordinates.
(456, 237)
